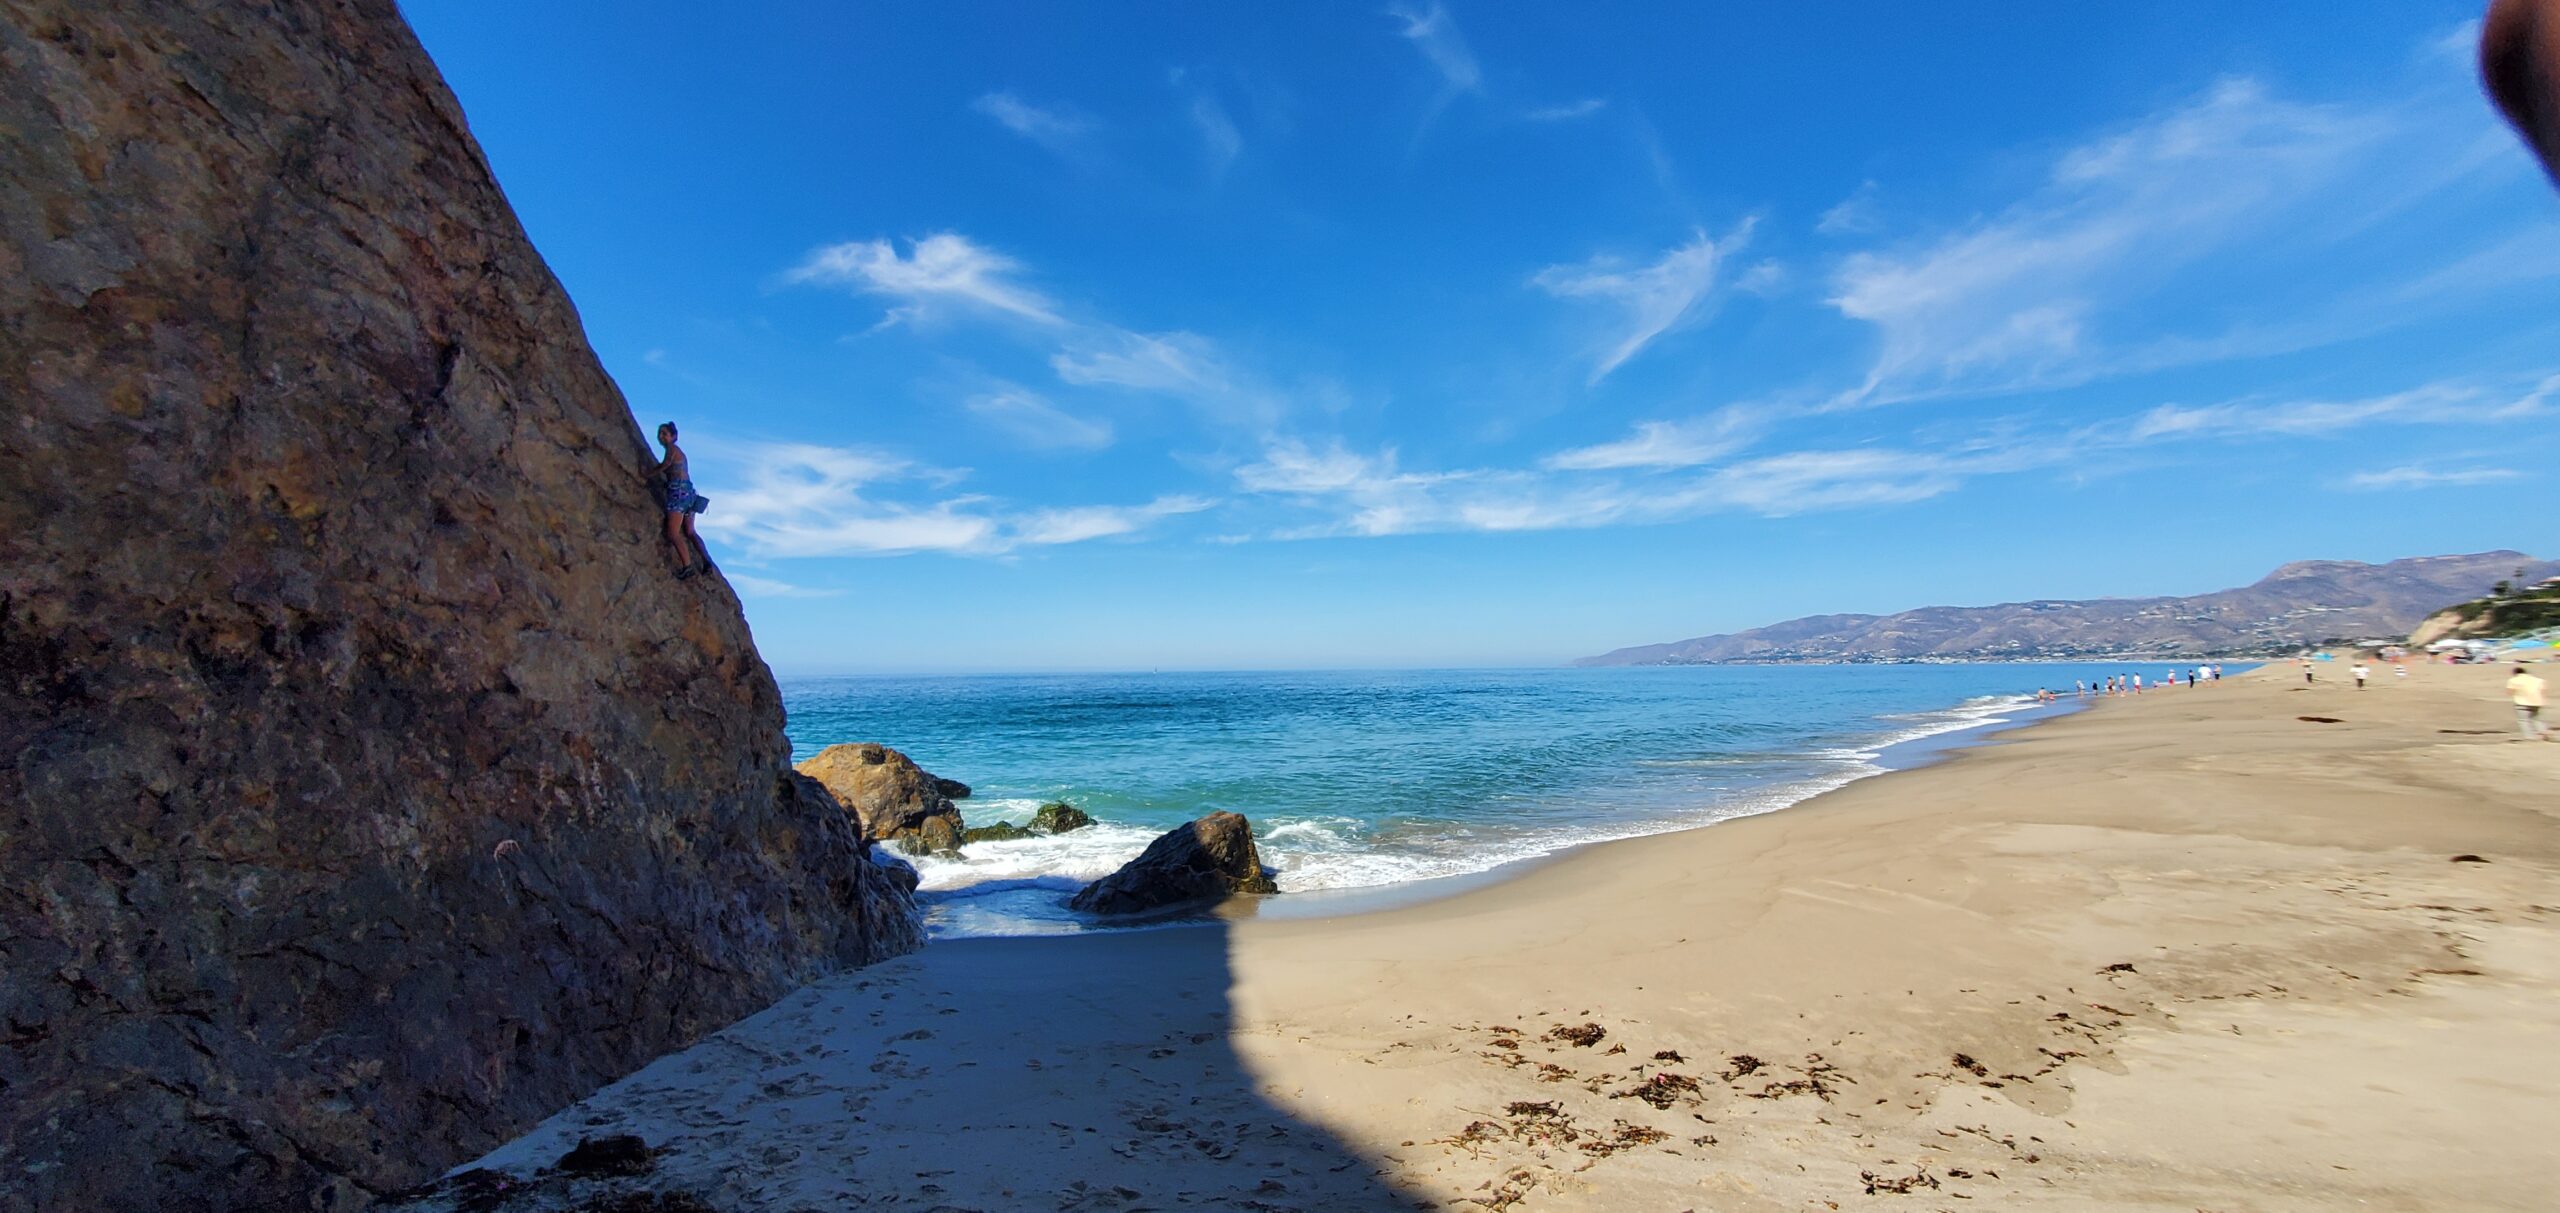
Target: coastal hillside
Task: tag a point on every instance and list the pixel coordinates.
(368, 788)
(2515, 610)
(2302, 603)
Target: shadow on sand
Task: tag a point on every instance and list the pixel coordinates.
(1090, 1072)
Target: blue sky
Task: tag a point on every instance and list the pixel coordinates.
(1171, 335)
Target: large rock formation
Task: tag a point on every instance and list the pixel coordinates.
(368, 789)
(897, 801)
(1197, 861)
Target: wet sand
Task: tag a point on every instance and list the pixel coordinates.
(2182, 951)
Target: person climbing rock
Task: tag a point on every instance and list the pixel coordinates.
(682, 504)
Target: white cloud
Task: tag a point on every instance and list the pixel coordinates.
(2530, 255)
(1186, 366)
(2429, 404)
(1765, 277)
(1079, 523)
(1219, 140)
(1370, 495)
(1666, 444)
(1160, 362)
(1031, 419)
(2018, 299)
(942, 270)
(1062, 131)
(1855, 215)
(2417, 477)
(1649, 299)
(1568, 111)
(761, 587)
(949, 271)
(1435, 34)
(799, 499)
(2461, 44)
(1806, 481)
(1367, 493)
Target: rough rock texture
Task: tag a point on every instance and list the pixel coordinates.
(1002, 831)
(1058, 817)
(1198, 861)
(368, 789)
(897, 801)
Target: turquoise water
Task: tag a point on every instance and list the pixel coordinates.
(1356, 779)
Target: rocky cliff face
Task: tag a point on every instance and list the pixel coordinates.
(368, 789)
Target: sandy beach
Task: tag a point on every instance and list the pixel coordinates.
(2225, 948)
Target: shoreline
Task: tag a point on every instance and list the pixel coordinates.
(1953, 727)
(1892, 758)
(2188, 951)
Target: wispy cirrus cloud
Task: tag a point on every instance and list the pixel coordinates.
(1220, 142)
(2416, 476)
(1434, 33)
(1859, 214)
(2441, 403)
(943, 271)
(1667, 444)
(1076, 524)
(1668, 471)
(950, 274)
(765, 587)
(788, 500)
(1186, 366)
(2023, 297)
(1062, 130)
(1567, 111)
(1368, 495)
(1033, 420)
(1648, 300)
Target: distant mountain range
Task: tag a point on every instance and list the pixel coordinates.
(2303, 603)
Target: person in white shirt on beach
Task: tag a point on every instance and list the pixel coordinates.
(2361, 672)
(2525, 691)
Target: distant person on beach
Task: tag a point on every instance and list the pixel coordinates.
(682, 504)
(2525, 691)
(2361, 671)
(2305, 662)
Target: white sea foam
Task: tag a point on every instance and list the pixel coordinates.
(1021, 886)
(1081, 855)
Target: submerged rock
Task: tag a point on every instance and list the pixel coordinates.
(1002, 831)
(1203, 860)
(897, 801)
(614, 1154)
(369, 789)
(1058, 817)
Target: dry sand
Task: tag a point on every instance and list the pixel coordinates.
(2186, 951)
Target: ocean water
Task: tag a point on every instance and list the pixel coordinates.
(1365, 779)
